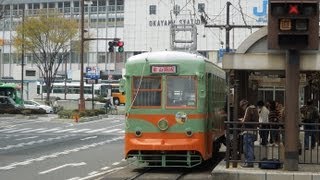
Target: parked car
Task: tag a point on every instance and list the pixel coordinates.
(30, 104)
(7, 105)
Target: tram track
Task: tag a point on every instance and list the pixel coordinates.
(131, 172)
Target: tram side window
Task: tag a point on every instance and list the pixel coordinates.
(181, 91)
(149, 91)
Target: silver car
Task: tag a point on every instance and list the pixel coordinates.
(30, 104)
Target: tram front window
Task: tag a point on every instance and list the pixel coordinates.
(147, 91)
(181, 91)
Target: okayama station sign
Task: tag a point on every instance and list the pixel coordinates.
(157, 23)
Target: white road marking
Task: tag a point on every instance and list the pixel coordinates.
(60, 167)
(91, 137)
(80, 130)
(116, 163)
(112, 130)
(98, 174)
(96, 130)
(33, 142)
(64, 130)
(41, 158)
(3, 130)
(32, 137)
(32, 130)
(49, 130)
(105, 168)
(92, 173)
(17, 130)
(74, 178)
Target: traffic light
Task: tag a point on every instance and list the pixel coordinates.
(111, 48)
(293, 24)
(120, 46)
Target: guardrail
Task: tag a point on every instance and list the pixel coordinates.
(271, 151)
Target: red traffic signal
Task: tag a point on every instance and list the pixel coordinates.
(120, 43)
(293, 9)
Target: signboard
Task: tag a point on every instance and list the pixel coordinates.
(167, 69)
(92, 73)
(91, 81)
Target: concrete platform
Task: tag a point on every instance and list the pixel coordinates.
(306, 172)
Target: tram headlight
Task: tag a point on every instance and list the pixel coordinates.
(138, 132)
(189, 132)
(163, 124)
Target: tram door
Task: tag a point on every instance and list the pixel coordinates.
(271, 94)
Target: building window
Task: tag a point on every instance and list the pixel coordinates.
(52, 5)
(120, 2)
(112, 2)
(152, 9)
(201, 7)
(102, 3)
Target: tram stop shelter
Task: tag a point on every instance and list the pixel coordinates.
(256, 73)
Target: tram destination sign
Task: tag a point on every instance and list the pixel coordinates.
(166, 69)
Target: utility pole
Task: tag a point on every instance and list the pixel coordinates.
(22, 59)
(228, 27)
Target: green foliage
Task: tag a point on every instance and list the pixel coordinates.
(48, 38)
(70, 114)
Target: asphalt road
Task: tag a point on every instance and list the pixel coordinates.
(45, 148)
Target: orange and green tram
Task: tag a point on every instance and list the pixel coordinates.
(174, 110)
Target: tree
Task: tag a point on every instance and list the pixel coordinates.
(48, 38)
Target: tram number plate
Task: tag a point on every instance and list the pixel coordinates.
(164, 69)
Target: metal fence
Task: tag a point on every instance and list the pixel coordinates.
(308, 152)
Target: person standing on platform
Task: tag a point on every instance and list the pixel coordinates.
(249, 134)
(311, 115)
(263, 120)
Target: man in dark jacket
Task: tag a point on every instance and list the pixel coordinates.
(251, 115)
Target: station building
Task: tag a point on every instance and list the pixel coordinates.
(143, 25)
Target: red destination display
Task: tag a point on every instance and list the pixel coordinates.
(163, 69)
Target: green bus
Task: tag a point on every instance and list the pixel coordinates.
(12, 90)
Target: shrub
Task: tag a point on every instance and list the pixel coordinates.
(69, 114)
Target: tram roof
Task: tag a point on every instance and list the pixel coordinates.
(165, 56)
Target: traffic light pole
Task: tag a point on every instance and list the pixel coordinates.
(291, 154)
(82, 40)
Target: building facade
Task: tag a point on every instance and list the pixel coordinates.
(143, 25)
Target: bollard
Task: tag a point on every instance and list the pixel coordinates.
(76, 117)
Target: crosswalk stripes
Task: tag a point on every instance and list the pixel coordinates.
(60, 130)
(49, 130)
(32, 130)
(96, 130)
(18, 130)
(112, 130)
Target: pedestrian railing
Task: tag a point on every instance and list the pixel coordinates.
(308, 143)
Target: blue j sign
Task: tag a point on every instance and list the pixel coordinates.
(261, 13)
